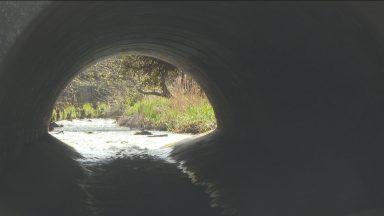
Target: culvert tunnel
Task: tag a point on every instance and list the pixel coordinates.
(298, 90)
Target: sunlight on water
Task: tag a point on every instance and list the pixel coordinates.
(102, 139)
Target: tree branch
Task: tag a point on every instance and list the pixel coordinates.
(150, 92)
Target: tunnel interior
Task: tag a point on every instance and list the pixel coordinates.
(297, 90)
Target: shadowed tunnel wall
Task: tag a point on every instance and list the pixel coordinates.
(298, 90)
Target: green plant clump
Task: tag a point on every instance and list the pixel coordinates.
(69, 112)
(88, 111)
(161, 112)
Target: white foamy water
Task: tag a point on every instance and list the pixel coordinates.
(102, 139)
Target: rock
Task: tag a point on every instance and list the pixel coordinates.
(159, 135)
(53, 125)
(143, 132)
(135, 121)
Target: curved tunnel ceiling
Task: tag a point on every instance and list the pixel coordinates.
(298, 91)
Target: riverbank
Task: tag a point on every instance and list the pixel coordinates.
(180, 114)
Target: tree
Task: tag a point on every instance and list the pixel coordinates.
(150, 75)
(121, 76)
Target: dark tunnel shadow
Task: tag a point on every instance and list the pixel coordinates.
(297, 88)
(146, 186)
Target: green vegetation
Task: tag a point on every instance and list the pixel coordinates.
(87, 110)
(195, 116)
(139, 92)
(184, 114)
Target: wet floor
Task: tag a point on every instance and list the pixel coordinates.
(133, 174)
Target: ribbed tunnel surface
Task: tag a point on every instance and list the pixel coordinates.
(297, 88)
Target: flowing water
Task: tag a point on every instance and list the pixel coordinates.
(133, 174)
(99, 140)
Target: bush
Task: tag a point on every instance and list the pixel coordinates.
(101, 110)
(71, 112)
(161, 113)
(181, 114)
(88, 111)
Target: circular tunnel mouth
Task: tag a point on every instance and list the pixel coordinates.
(133, 104)
(127, 146)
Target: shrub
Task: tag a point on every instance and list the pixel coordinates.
(183, 113)
(185, 116)
(101, 110)
(88, 111)
(71, 112)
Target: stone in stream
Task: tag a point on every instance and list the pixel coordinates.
(53, 125)
(143, 132)
(159, 135)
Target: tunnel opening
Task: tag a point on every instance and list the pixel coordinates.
(131, 100)
(124, 114)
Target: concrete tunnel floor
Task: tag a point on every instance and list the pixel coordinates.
(297, 88)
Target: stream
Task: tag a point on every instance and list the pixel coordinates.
(100, 140)
(133, 174)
